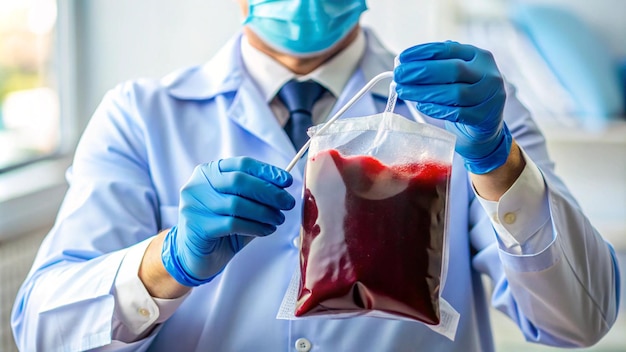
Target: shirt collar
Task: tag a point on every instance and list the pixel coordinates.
(270, 75)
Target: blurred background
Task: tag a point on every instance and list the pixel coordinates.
(58, 58)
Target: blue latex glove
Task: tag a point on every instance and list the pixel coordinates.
(462, 85)
(222, 207)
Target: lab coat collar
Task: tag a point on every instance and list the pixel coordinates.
(376, 59)
(225, 72)
(222, 74)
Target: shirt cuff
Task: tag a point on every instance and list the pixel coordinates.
(135, 309)
(522, 214)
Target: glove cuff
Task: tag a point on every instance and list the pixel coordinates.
(496, 158)
(172, 263)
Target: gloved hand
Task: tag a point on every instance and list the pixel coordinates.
(222, 207)
(462, 85)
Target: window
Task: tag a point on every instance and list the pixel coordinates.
(29, 102)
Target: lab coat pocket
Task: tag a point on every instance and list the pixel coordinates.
(78, 326)
(169, 216)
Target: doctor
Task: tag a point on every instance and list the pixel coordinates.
(179, 230)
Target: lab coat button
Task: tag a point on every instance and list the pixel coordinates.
(303, 345)
(144, 312)
(510, 218)
(296, 242)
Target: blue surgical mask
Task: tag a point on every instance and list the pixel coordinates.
(303, 27)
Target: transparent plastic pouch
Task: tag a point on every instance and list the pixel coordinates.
(374, 218)
(373, 236)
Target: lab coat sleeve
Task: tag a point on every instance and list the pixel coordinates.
(565, 293)
(136, 312)
(66, 302)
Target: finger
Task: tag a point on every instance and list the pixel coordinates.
(250, 228)
(229, 225)
(436, 72)
(240, 207)
(468, 116)
(248, 186)
(237, 242)
(267, 172)
(454, 95)
(438, 51)
(442, 112)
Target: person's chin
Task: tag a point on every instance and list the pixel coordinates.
(340, 43)
(305, 55)
(332, 49)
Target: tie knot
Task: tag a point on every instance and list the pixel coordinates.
(300, 96)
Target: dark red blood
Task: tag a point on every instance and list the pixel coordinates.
(392, 256)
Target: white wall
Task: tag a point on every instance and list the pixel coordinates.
(122, 40)
(401, 24)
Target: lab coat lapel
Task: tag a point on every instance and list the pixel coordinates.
(222, 76)
(253, 113)
(376, 59)
(364, 106)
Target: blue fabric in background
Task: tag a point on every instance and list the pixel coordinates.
(580, 59)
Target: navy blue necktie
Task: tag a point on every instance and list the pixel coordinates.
(299, 98)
